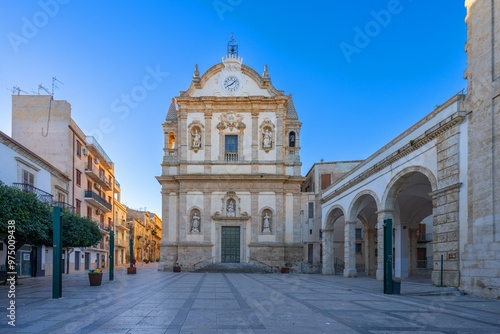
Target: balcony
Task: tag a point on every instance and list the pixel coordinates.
(96, 149)
(96, 200)
(231, 157)
(41, 195)
(92, 171)
(65, 206)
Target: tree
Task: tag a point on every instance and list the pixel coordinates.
(30, 217)
(78, 231)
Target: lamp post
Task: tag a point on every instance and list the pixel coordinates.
(111, 252)
(57, 252)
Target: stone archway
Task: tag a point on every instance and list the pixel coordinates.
(333, 241)
(363, 233)
(409, 196)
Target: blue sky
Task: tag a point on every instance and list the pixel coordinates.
(361, 72)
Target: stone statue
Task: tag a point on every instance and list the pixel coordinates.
(230, 209)
(195, 223)
(266, 227)
(267, 139)
(196, 139)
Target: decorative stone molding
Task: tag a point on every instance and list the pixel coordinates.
(230, 120)
(230, 208)
(196, 133)
(429, 135)
(267, 134)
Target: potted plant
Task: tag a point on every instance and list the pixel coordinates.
(177, 268)
(95, 277)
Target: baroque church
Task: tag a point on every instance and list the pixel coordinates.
(231, 171)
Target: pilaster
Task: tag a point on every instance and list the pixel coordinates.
(328, 252)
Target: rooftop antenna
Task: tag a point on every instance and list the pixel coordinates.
(15, 89)
(54, 84)
(40, 86)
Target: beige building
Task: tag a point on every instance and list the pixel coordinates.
(45, 126)
(145, 231)
(231, 171)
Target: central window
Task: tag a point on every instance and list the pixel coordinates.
(231, 148)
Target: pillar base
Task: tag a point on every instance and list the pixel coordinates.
(380, 274)
(350, 273)
(327, 271)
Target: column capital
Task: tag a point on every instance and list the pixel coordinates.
(353, 222)
(385, 214)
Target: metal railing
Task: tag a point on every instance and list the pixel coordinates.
(41, 195)
(201, 262)
(65, 206)
(271, 268)
(93, 195)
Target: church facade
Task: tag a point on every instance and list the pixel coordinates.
(231, 171)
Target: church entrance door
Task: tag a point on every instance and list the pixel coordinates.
(230, 244)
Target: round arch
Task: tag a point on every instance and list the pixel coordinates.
(391, 190)
(332, 215)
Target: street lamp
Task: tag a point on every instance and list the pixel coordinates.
(111, 252)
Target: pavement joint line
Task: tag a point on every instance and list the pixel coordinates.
(182, 314)
(326, 313)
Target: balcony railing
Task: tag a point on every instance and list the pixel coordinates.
(41, 195)
(231, 157)
(99, 177)
(96, 199)
(65, 206)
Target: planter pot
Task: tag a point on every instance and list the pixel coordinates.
(95, 279)
(285, 270)
(177, 269)
(131, 270)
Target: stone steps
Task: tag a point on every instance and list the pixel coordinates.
(235, 268)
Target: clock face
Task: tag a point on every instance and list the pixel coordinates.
(231, 84)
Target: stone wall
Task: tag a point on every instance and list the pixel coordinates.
(480, 262)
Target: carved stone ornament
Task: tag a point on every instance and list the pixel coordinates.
(231, 120)
(195, 135)
(267, 135)
(230, 208)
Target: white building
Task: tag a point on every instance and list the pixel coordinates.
(23, 169)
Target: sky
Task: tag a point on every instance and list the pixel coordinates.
(360, 72)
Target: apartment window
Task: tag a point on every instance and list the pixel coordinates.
(231, 148)
(61, 198)
(28, 178)
(78, 149)
(78, 178)
(359, 248)
(310, 210)
(359, 234)
(89, 212)
(78, 208)
(326, 180)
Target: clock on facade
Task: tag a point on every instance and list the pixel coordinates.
(231, 84)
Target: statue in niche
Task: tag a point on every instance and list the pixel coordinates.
(230, 209)
(266, 226)
(196, 138)
(267, 143)
(195, 221)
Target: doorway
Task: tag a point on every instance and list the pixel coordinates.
(230, 244)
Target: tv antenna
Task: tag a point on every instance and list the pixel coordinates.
(40, 86)
(15, 89)
(54, 84)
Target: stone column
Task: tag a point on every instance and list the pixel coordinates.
(207, 144)
(413, 252)
(370, 259)
(381, 215)
(350, 249)
(328, 254)
(401, 249)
